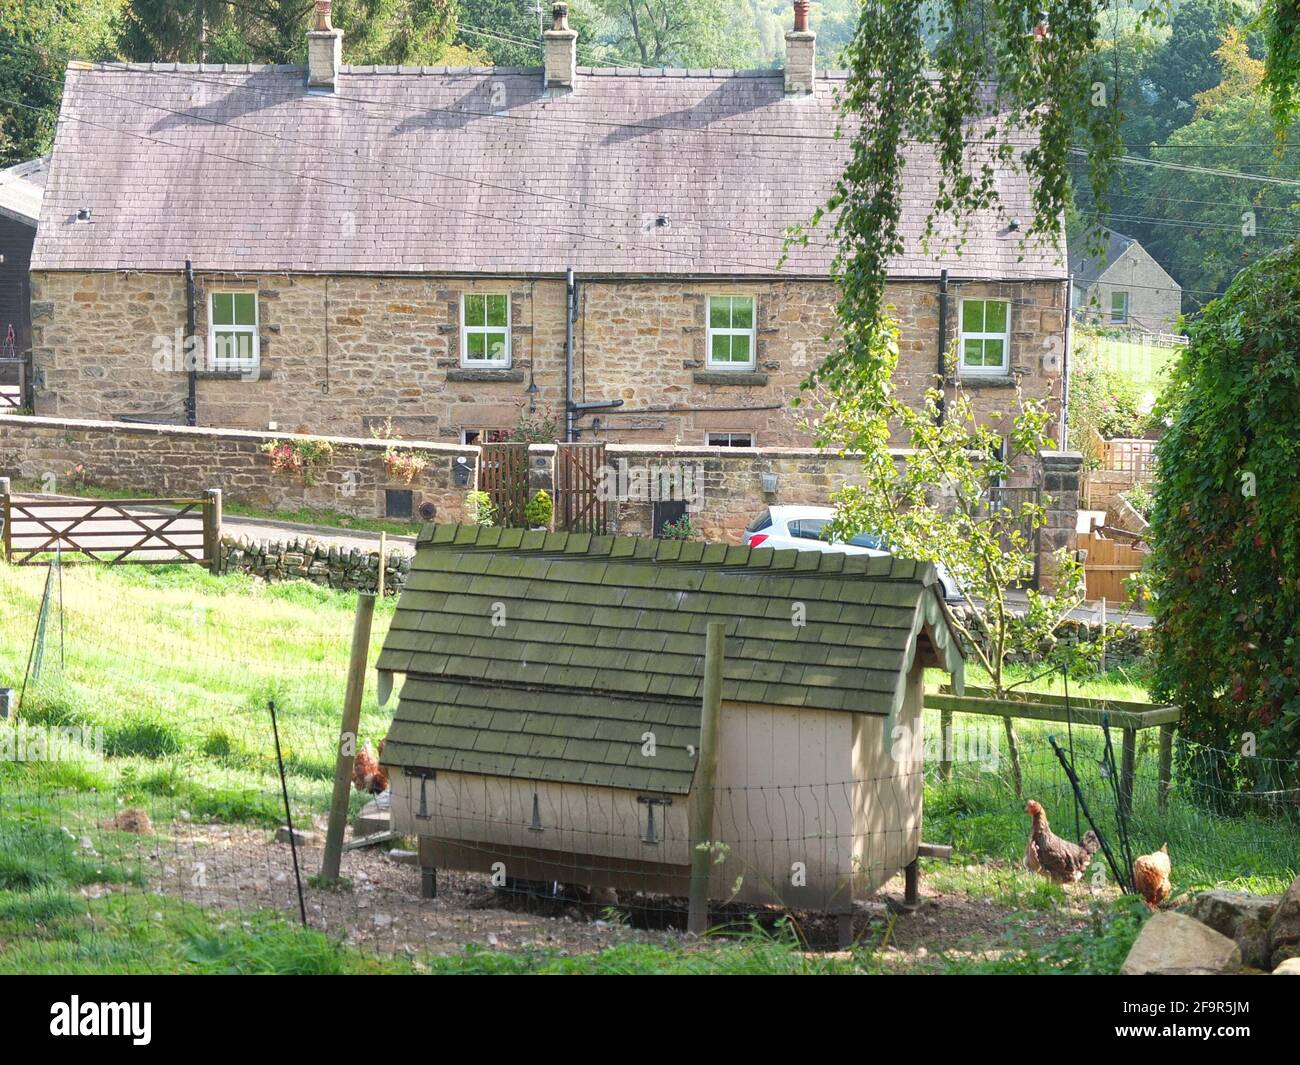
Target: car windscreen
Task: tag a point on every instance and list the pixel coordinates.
(761, 522)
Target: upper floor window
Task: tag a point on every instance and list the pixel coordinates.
(485, 330)
(1119, 307)
(731, 332)
(232, 330)
(985, 336)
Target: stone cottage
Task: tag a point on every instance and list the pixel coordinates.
(1122, 287)
(457, 250)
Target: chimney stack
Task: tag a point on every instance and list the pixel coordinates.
(800, 52)
(560, 45)
(324, 51)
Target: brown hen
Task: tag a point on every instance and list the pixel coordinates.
(1151, 876)
(367, 774)
(1055, 858)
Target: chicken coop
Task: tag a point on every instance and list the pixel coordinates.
(547, 727)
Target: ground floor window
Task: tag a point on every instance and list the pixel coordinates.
(484, 436)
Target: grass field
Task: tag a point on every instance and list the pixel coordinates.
(177, 667)
(1145, 364)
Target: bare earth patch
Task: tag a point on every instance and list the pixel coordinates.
(233, 867)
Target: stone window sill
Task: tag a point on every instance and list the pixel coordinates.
(986, 380)
(730, 377)
(263, 374)
(463, 374)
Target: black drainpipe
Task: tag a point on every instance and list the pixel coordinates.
(191, 355)
(943, 339)
(570, 312)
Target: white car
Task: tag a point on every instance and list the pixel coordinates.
(803, 528)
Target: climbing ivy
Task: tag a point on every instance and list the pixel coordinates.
(1226, 520)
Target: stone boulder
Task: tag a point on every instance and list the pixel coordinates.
(1241, 917)
(1175, 944)
(1290, 967)
(1284, 928)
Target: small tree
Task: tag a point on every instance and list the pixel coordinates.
(941, 504)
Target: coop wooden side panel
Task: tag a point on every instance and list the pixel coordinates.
(783, 809)
(888, 789)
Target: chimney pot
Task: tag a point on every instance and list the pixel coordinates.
(560, 51)
(800, 53)
(324, 50)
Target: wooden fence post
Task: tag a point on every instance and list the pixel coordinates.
(383, 552)
(706, 773)
(945, 738)
(1166, 765)
(1127, 770)
(347, 742)
(5, 518)
(212, 529)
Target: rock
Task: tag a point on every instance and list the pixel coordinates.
(301, 838)
(1173, 943)
(1284, 928)
(1290, 967)
(1241, 917)
(403, 857)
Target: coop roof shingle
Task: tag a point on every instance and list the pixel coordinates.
(499, 730)
(435, 170)
(572, 620)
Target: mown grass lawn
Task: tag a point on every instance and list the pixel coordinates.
(177, 668)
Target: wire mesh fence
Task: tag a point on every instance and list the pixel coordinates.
(141, 776)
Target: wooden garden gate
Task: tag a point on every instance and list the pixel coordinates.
(579, 506)
(503, 475)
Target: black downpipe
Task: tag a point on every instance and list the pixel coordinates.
(571, 312)
(943, 342)
(191, 356)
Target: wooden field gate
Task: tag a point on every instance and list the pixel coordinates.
(579, 502)
(116, 531)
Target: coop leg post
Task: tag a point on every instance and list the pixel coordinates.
(428, 882)
(1166, 764)
(1127, 770)
(912, 883)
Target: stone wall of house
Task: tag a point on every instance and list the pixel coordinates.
(65, 455)
(342, 353)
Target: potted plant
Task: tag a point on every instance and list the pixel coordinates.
(479, 509)
(539, 510)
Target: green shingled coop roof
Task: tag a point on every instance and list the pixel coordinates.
(601, 639)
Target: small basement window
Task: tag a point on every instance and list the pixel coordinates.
(485, 330)
(731, 332)
(232, 330)
(729, 439)
(985, 336)
(484, 436)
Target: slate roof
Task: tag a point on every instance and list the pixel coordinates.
(21, 189)
(603, 639)
(1088, 268)
(438, 170)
